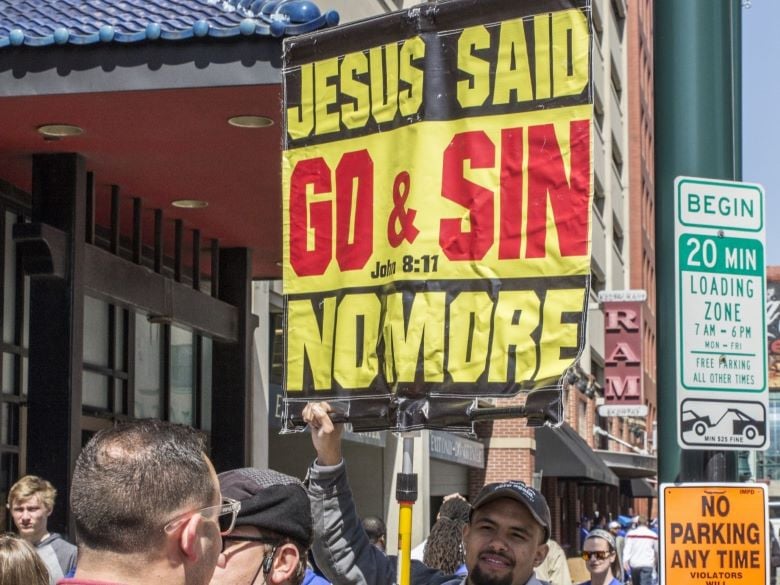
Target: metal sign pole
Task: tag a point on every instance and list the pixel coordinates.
(698, 134)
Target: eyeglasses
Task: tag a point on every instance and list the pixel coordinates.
(597, 554)
(247, 538)
(224, 514)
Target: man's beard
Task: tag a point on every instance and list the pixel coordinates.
(478, 577)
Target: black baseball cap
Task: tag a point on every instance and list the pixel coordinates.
(520, 492)
(270, 500)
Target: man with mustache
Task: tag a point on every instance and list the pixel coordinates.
(504, 541)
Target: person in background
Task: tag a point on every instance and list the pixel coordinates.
(584, 529)
(31, 502)
(145, 500)
(774, 556)
(444, 547)
(555, 568)
(504, 541)
(601, 559)
(640, 553)
(19, 563)
(599, 521)
(654, 525)
(376, 530)
(454, 507)
(617, 532)
(273, 531)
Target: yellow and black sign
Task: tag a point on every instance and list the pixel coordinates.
(714, 534)
(437, 181)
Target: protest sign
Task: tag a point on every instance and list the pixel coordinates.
(437, 180)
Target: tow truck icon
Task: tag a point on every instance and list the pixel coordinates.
(742, 424)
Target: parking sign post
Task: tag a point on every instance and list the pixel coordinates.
(720, 283)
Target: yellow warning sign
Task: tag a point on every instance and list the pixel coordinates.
(714, 534)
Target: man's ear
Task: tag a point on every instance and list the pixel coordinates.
(541, 554)
(188, 540)
(286, 562)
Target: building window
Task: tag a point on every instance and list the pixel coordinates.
(148, 368)
(104, 375)
(617, 157)
(170, 367)
(599, 197)
(582, 417)
(618, 8)
(617, 86)
(598, 110)
(15, 291)
(182, 368)
(597, 371)
(617, 235)
(205, 382)
(602, 441)
(597, 279)
(598, 25)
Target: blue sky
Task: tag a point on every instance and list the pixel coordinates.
(761, 111)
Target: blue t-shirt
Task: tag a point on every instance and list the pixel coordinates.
(312, 578)
(613, 582)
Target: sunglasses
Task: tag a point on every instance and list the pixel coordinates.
(597, 554)
(247, 538)
(224, 514)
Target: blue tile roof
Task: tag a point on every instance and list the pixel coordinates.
(38, 23)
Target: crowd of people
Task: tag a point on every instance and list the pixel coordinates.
(149, 507)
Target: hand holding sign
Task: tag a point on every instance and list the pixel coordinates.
(325, 435)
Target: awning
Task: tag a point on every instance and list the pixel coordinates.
(561, 452)
(637, 488)
(629, 465)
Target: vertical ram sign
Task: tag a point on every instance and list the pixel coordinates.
(437, 180)
(623, 335)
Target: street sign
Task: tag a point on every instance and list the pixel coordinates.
(720, 285)
(714, 534)
(639, 295)
(638, 410)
